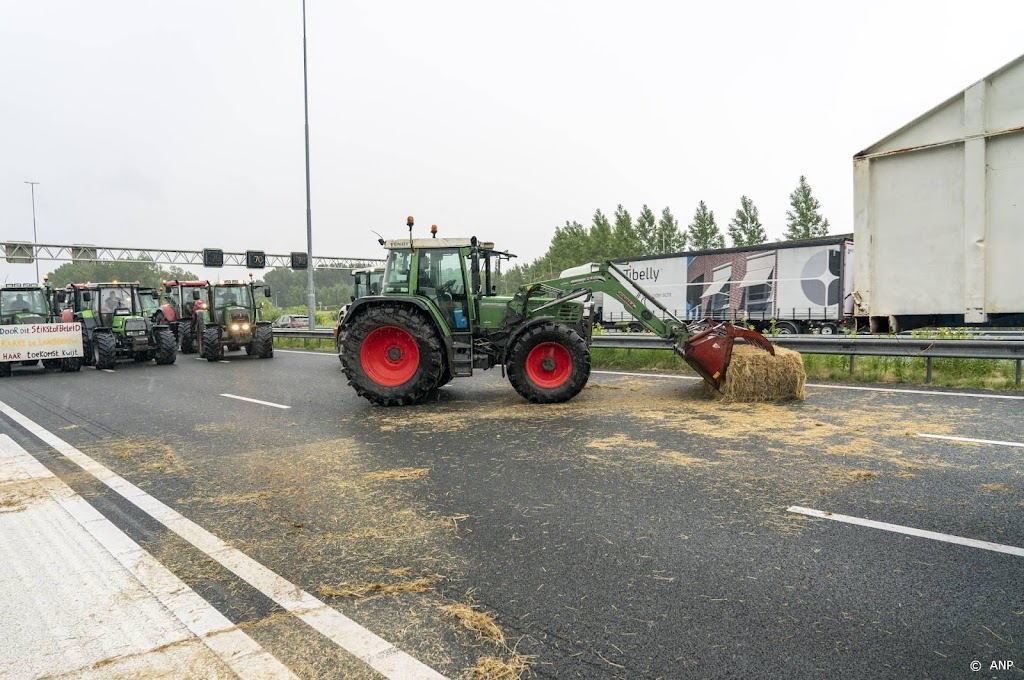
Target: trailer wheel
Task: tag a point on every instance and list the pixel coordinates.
(787, 328)
(392, 355)
(166, 347)
(828, 329)
(104, 350)
(549, 363)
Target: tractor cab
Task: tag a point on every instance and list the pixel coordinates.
(150, 300)
(22, 303)
(367, 281)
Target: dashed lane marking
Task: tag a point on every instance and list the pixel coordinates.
(910, 531)
(365, 645)
(255, 401)
(970, 439)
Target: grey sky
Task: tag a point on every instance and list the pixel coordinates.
(179, 124)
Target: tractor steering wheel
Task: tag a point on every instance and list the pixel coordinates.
(447, 286)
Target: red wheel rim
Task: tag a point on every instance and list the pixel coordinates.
(389, 356)
(549, 365)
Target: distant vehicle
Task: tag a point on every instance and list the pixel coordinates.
(786, 287)
(291, 321)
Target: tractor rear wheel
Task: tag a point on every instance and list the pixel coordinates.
(392, 355)
(213, 348)
(104, 350)
(71, 365)
(51, 363)
(263, 342)
(188, 338)
(166, 347)
(549, 363)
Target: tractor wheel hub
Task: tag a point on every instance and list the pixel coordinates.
(547, 364)
(394, 353)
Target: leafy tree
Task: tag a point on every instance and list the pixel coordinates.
(703, 232)
(601, 237)
(146, 273)
(624, 234)
(746, 229)
(646, 230)
(668, 238)
(804, 220)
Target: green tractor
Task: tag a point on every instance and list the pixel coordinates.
(230, 319)
(115, 324)
(438, 317)
(31, 303)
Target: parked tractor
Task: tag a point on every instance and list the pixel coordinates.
(366, 281)
(181, 299)
(438, 317)
(31, 303)
(115, 324)
(230, 319)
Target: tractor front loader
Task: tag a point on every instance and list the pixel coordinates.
(438, 317)
(31, 303)
(230, 319)
(115, 324)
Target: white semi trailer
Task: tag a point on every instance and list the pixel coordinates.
(789, 287)
(939, 213)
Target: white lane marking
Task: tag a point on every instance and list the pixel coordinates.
(222, 361)
(107, 370)
(910, 531)
(365, 645)
(969, 439)
(255, 401)
(234, 647)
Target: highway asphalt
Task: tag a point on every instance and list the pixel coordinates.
(638, 531)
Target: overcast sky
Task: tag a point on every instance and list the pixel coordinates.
(180, 124)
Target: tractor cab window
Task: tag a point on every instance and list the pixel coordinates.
(115, 301)
(235, 296)
(440, 277)
(14, 302)
(396, 271)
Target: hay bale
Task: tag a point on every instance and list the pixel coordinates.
(756, 375)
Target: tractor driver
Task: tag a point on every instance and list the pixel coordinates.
(19, 304)
(112, 302)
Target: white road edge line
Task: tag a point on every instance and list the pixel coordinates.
(234, 647)
(910, 531)
(365, 645)
(255, 401)
(969, 439)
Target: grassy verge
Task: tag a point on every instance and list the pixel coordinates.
(313, 344)
(972, 373)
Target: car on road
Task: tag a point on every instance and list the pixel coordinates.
(291, 321)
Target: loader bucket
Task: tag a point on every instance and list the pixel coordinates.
(710, 351)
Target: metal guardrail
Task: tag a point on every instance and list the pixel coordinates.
(851, 346)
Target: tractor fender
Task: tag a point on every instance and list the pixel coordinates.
(169, 314)
(355, 308)
(519, 330)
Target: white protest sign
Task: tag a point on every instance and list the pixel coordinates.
(40, 341)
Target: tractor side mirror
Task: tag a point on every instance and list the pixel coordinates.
(61, 297)
(266, 292)
(86, 296)
(352, 298)
(196, 295)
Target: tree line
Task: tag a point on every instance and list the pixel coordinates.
(623, 236)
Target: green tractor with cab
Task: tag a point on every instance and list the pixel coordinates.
(115, 324)
(31, 303)
(230, 319)
(438, 317)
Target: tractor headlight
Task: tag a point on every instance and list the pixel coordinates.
(245, 326)
(234, 326)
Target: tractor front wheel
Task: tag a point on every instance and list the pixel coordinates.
(263, 342)
(5, 369)
(188, 337)
(392, 355)
(166, 347)
(549, 363)
(71, 365)
(104, 350)
(213, 348)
